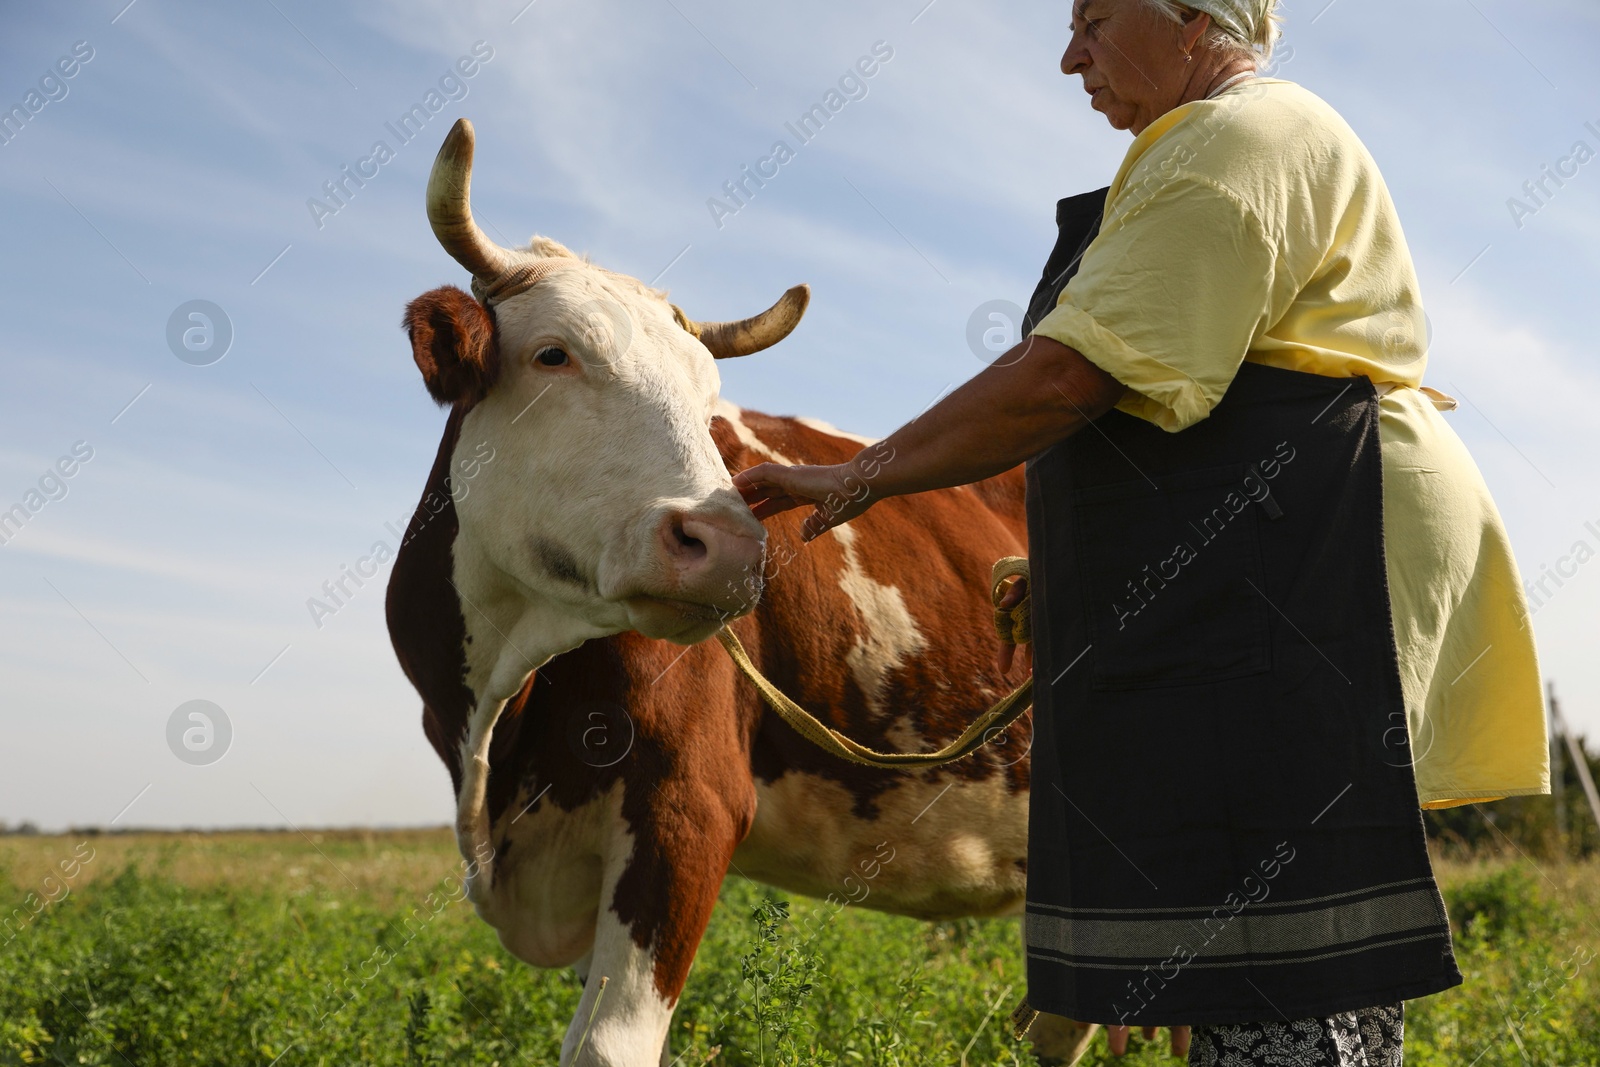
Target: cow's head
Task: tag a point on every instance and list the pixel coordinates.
(605, 494)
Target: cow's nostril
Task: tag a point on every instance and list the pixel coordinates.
(690, 547)
(706, 558)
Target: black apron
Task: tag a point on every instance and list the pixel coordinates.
(1224, 827)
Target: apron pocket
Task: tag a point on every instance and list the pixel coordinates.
(1170, 601)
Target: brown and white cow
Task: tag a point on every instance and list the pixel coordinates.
(577, 542)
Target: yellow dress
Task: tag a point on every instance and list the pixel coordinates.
(1255, 226)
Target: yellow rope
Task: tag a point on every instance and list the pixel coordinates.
(1010, 707)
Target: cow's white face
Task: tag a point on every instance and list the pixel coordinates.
(605, 506)
(606, 493)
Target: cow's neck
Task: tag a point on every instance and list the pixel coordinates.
(511, 630)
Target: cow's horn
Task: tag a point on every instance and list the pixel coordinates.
(744, 336)
(450, 208)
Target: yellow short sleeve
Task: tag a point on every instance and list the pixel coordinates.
(1169, 298)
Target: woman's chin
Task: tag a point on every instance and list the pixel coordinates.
(1119, 120)
(1119, 116)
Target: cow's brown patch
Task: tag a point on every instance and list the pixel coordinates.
(936, 548)
(687, 800)
(426, 626)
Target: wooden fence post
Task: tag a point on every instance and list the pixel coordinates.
(1580, 764)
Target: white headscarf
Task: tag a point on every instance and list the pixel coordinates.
(1241, 18)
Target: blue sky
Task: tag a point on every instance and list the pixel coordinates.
(178, 164)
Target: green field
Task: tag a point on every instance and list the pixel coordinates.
(255, 948)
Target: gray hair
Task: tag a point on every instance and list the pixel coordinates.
(1258, 48)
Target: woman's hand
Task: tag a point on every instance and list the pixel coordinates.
(1008, 600)
(835, 493)
(1117, 1038)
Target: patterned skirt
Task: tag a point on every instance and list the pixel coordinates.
(1370, 1037)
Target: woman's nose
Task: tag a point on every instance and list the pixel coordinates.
(1075, 58)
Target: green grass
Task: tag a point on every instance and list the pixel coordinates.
(245, 948)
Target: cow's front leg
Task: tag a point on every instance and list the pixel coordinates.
(623, 1016)
(582, 968)
(656, 900)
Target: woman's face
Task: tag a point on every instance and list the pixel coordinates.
(1131, 59)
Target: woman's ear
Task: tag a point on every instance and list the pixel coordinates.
(1195, 25)
(454, 343)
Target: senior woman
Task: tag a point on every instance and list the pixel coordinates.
(1262, 564)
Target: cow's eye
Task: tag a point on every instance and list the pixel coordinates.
(551, 357)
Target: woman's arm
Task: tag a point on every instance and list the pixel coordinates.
(1036, 394)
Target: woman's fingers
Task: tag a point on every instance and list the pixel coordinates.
(767, 507)
(1008, 600)
(1010, 654)
(1117, 1038)
(780, 488)
(750, 479)
(772, 488)
(765, 487)
(1014, 594)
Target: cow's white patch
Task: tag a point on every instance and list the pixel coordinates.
(747, 437)
(939, 848)
(829, 428)
(628, 1025)
(889, 634)
(631, 1022)
(552, 907)
(547, 890)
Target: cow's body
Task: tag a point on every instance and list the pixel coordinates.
(579, 540)
(630, 775)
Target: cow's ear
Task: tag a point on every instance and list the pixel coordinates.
(453, 341)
